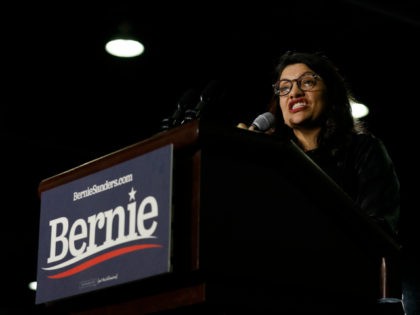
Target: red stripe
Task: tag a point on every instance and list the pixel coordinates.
(101, 258)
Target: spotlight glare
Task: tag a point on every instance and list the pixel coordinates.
(32, 285)
(125, 48)
(359, 110)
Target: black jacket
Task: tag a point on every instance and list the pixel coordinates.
(365, 171)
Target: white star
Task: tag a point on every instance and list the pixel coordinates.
(132, 194)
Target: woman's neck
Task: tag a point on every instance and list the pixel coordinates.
(308, 138)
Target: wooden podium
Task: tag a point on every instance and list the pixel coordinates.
(257, 227)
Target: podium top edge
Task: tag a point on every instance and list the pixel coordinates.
(181, 137)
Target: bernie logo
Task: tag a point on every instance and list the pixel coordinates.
(80, 240)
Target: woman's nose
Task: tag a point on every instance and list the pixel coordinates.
(295, 90)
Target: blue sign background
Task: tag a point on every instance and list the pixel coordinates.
(149, 175)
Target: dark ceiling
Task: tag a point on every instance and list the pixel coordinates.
(66, 102)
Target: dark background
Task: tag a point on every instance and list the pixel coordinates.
(65, 101)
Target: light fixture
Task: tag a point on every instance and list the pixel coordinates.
(359, 110)
(32, 285)
(124, 44)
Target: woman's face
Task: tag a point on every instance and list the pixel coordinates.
(302, 106)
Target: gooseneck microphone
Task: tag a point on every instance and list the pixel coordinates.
(189, 98)
(264, 121)
(207, 96)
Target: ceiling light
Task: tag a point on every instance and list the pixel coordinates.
(125, 48)
(124, 44)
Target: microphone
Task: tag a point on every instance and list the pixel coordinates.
(188, 98)
(206, 97)
(264, 121)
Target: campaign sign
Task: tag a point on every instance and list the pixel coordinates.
(105, 229)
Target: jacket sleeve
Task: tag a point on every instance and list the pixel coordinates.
(378, 192)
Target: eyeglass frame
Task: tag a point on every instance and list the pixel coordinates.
(298, 81)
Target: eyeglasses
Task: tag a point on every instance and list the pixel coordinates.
(306, 82)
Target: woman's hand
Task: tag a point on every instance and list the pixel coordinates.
(245, 126)
(252, 128)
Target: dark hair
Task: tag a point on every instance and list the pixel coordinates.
(337, 120)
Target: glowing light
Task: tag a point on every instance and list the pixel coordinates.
(125, 48)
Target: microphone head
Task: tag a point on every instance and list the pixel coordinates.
(211, 91)
(210, 94)
(189, 98)
(264, 121)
